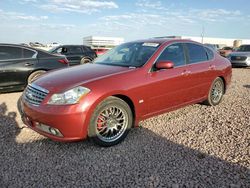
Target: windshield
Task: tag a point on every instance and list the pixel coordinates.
(134, 54)
(244, 48)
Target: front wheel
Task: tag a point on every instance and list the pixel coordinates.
(35, 75)
(110, 122)
(216, 92)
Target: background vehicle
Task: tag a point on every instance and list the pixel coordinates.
(129, 83)
(241, 57)
(225, 51)
(20, 65)
(76, 54)
(215, 47)
(53, 45)
(36, 44)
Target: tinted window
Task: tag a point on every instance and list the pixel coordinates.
(244, 48)
(87, 49)
(74, 50)
(174, 53)
(210, 53)
(28, 53)
(196, 53)
(7, 52)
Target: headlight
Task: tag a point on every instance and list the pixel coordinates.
(71, 96)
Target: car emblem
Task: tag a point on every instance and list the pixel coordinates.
(237, 57)
(29, 95)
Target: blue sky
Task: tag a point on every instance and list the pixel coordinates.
(68, 21)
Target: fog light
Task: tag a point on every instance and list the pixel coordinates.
(53, 131)
(48, 129)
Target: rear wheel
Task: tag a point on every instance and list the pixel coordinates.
(35, 75)
(216, 92)
(110, 122)
(85, 60)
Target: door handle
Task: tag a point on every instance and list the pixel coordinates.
(211, 67)
(185, 73)
(28, 64)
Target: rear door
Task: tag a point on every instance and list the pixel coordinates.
(16, 63)
(73, 54)
(201, 69)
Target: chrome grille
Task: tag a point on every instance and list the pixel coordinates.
(34, 94)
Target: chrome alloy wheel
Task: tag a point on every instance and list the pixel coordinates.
(111, 123)
(217, 91)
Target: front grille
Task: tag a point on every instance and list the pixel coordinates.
(238, 58)
(34, 94)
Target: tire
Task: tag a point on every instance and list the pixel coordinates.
(85, 60)
(216, 92)
(110, 122)
(35, 75)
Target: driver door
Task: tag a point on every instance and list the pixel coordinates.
(168, 87)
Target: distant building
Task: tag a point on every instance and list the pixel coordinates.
(220, 41)
(102, 44)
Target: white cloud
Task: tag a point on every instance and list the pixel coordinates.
(79, 6)
(149, 4)
(5, 15)
(214, 15)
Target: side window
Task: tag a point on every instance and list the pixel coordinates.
(74, 50)
(61, 50)
(210, 53)
(87, 49)
(7, 52)
(174, 53)
(196, 53)
(28, 53)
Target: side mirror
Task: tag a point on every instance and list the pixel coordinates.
(164, 65)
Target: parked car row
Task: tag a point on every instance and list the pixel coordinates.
(20, 65)
(239, 57)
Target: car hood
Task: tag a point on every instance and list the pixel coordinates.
(240, 54)
(64, 79)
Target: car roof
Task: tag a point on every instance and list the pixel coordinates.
(165, 40)
(16, 45)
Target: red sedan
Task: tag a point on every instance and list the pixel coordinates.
(129, 83)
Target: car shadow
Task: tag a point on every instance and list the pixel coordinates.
(246, 86)
(144, 159)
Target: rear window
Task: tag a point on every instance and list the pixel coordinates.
(197, 53)
(87, 49)
(210, 53)
(28, 53)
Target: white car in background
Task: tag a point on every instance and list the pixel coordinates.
(53, 44)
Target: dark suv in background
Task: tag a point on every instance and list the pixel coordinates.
(76, 54)
(20, 65)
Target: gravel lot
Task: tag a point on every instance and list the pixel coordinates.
(197, 146)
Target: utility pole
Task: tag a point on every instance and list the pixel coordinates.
(202, 34)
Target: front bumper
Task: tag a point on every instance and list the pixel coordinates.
(60, 123)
